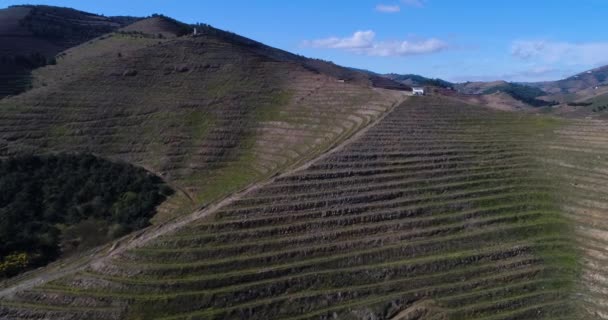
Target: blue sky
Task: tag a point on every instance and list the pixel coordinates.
(516, 40)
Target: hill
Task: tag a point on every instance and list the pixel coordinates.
(579, 82)
(31, 36)
(210, 114)
(418, 81)
(478, 87)
(439, 211)
(160, 26)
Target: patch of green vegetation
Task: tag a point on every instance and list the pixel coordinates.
(565, 257)
(232, 177)
(59, 131)
(271, 110)
(56, 205)
(238, 174)
(198, 123)
(546, 124)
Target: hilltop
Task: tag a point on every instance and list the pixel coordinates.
(31, 37)
(160, 26)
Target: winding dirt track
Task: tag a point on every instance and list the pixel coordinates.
(99, 256)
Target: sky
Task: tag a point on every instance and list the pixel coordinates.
(466, 40)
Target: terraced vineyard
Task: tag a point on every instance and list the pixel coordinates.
(208, 115)
(580, 161)
(440, 211)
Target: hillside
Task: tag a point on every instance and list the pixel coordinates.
(210, 114)
(415, 80)
(579, 82)
(31, 36)
(328, 68)
(438, 211)
(478, 87)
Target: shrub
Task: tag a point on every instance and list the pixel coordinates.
(13, 263)
(579, 104)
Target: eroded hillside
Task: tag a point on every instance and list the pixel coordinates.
(440, 211)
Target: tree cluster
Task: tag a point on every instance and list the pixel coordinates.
(60, 204)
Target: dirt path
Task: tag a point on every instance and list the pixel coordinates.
(100, 256)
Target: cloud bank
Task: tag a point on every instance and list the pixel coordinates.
(363, 42)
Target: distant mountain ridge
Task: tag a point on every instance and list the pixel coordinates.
(418, 80)
(580, 87)
(581, 81)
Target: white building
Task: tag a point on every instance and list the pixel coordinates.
(418, 91)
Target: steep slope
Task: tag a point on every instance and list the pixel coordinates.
(348, 75)
(31, 36)
(440, 211)
(209, 114)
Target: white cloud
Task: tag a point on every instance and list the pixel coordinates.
(359, 40)
(414, 3)
(388, 8)
(362, 42)
(549, 52)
